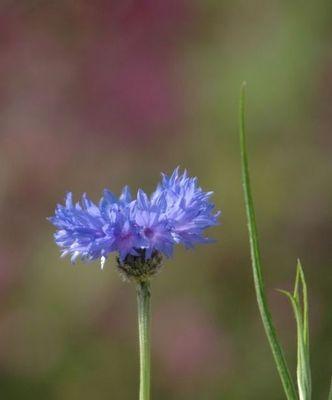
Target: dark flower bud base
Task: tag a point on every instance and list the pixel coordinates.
(139, 269)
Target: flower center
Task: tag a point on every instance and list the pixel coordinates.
(148, 232)
(126, 236)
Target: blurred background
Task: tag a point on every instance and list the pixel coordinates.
(107, 93)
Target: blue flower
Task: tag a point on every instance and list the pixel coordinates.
(188, 208)
(177, 212)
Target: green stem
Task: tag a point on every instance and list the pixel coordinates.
(143, 301)
(270, 331)
(330, 393)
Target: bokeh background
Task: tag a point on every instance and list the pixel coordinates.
(104, 93)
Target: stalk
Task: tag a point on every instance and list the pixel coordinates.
(144, 315)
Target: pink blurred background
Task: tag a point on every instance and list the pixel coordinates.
(106, 93)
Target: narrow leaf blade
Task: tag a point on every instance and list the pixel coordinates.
(330, 393)
(270, 331)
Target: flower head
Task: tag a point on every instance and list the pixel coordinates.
(177, 212)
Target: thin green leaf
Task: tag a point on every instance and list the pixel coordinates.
(295, 302)
(302, 324)
(303, 372)
(305, 303)
(270, 331)
(330, 393)
(305, 312)
(297, 280)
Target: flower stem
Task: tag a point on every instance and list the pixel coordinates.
(143, 301)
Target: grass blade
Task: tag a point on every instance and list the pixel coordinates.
(303, 370)
(302, 325)
(305, 318)
(276, 348)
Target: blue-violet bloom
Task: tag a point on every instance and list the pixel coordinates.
(177, 212)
